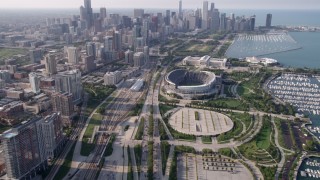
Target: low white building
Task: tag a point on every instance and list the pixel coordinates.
(112, 78)
(205, 61)
(265, 61)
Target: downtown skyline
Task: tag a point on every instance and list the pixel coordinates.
(169, 4)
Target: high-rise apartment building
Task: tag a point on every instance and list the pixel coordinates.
(268, 20)
(5, 75)
(128, 56)
(89, 63)
(138, 59)
(70, 82)
(36, 55)
(27, 147)
(112, 78)
(34, 80)
(62, 103)
(50, 64)
(108, 44)
(73, 55)
(50, 131)
(91, 49)
(117, 41)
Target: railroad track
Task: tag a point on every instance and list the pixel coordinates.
(118, 111)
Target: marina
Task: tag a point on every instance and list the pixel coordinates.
(247, 45)
(309, 169)
(301, 91)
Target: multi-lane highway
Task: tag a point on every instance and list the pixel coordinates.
(115, 113)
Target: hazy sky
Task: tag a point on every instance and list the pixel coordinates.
(172, 4)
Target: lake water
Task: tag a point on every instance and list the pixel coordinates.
(258, 45)
(307, 56)
(313, 167)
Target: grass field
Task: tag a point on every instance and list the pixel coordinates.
(227, 103)
(87, 147)
(199, 48)
(206, 140)
(165, 108)
(8, 53)
(261, 148)
(165, 149)
(263, 138)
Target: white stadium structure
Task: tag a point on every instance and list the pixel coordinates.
(189, 84)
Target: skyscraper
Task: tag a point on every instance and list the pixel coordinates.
(103, 12)
(223, 23)
(73, 56)
(50, 131)
(138, 59)
(89, 15)
(108, 44)
(215, 20)
(36, 55)
(252, 23)
(83, 14)
(117, 41)
(34, 82)
(205, 15)
(91, 49)
(22, 152)
(167, 18)
(212, 7)
(145, 32)
(180, 9)
(138, 13)
(70, 82)
(268, 20)
(50, 64)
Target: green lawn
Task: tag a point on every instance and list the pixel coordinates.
(263, 138)
(225, 103)
(6, 53)
(260, 147)
(150, 161)
(109, 148)
(165, 108)
(206, 139)
(139, 132)
(165, 149)
(87, 147)
(227, 152)
(268, 172)
(96, 95)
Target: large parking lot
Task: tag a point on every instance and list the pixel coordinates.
(197, 167)
(200, 122)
